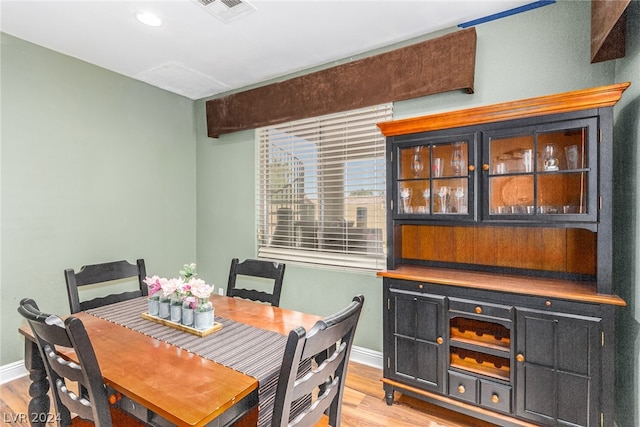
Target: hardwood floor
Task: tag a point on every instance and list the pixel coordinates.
(363, 405)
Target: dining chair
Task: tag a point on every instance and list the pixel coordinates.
(257, 269)
(317, 386)
(115, 272)
(76, 388)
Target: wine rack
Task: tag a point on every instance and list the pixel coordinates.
(480, 363)
(480, 346)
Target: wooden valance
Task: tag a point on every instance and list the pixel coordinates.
(438, 65)
(608, 28)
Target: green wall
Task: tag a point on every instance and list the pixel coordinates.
(96, 166)
(544, 51)
(626, 220)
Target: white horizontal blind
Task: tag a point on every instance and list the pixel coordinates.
(321, 190)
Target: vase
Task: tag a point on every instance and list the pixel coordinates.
(164, 311)
(176, 313)
(187, 316)
(153, 304)
(203, 320)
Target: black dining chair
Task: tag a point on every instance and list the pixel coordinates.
(314, 368)
(114, 272)
(256, 269)
(76, 388)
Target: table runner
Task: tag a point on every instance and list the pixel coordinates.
(247, 349)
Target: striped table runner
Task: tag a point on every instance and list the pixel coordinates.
(252, 351)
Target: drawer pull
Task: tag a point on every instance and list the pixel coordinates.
(439, 340)
(495, 398)
(547, 303)
(478, 309)
(461, 389)
(520, 357)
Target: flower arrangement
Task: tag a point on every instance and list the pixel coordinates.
(188, 292)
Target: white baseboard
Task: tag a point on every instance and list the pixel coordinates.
(366, 357)
(12, 371)
(362, 355)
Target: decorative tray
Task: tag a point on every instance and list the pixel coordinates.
(200, 332)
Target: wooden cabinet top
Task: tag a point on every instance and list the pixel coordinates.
(603, 96)
(534, 286)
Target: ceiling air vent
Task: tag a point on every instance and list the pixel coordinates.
(227, 10)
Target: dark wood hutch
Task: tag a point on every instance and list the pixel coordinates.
(498, 298)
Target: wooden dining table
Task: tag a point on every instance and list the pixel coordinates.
(161, 380)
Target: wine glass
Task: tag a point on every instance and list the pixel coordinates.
(416, 162)
(457, 159)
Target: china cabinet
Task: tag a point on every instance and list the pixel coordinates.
(498, 297)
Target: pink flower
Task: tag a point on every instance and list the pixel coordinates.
(153, 283)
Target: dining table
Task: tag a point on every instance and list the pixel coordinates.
(168, 376)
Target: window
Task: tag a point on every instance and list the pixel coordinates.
(322, 190)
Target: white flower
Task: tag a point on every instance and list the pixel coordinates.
(200, 289)
(169, 286)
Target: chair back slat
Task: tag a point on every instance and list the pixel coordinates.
(319, 384)
(259, 269)
(103, 273)
(56, 341)
(318, 376)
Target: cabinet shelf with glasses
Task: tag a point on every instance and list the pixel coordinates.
(542, 172)
(433, 178)
(498, 298)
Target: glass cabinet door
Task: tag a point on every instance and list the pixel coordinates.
(434, 178)
(541, 171)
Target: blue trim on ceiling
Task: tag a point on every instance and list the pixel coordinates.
(509, 12)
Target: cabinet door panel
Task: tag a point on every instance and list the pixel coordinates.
(557, 372)
(533, 403)
(416, 356)
(570, 404)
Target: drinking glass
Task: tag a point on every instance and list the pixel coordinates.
(405, 195)
(550, 157)
(443, 199)
(438, 165)
(426, 195)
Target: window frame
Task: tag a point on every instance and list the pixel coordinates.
(324, 213)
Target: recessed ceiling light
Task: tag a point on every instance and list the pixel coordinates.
(148, 18)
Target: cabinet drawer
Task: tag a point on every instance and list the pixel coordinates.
(495, 396)
(462, 386)
(480, 308)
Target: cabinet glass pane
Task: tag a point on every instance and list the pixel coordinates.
(562, 193)
(450, 196)
(512, 194)
(539, 173)
(563, 150)
(512, 155)
(449, 159)
(433, 179)
(414, 162)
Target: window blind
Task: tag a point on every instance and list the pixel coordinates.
(322, 189)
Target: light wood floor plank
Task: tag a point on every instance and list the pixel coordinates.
(364, 405)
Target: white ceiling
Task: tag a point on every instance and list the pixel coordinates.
(196, 55)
